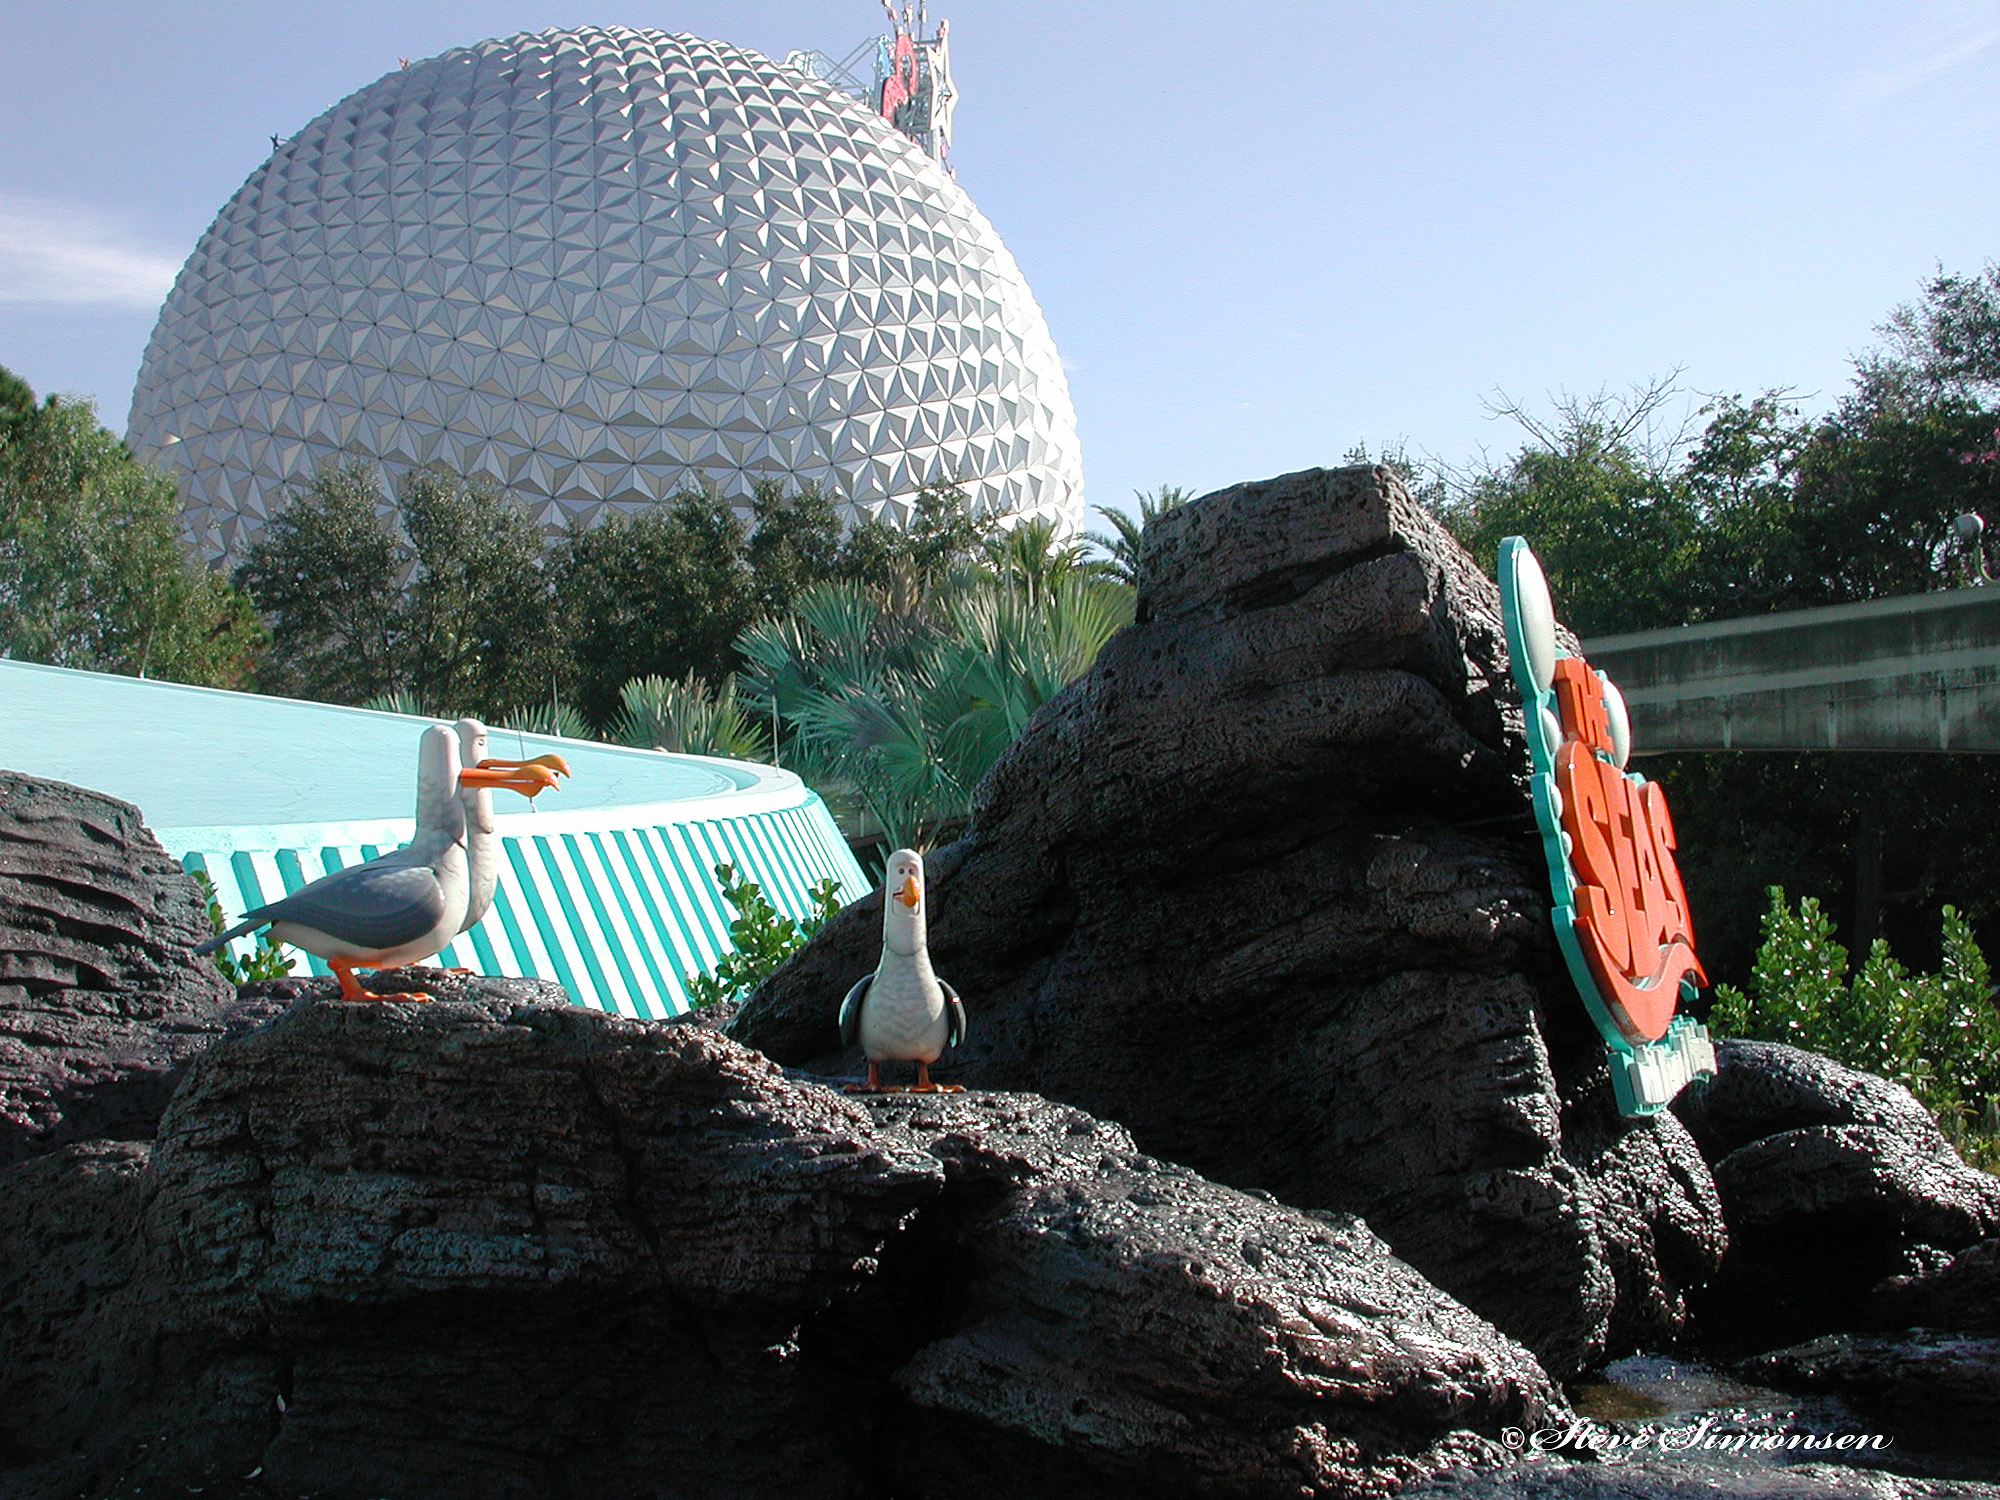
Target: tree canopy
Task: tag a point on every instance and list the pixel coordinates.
(446, 595)
(1751, 507)
(439, 595)
(92, 574)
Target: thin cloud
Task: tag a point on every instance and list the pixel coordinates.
(1882, 85)
(52, 254)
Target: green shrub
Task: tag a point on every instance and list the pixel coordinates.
(401, 701)
(269, 961)
(764, 936)
(1936, 1034)
(555, 718)
(689, 717)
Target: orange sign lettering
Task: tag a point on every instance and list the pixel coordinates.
(1631, 910)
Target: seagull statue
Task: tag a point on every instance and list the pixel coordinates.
(482, 844)
(399, 907)
(903, 1012)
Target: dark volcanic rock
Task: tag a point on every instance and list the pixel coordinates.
(1962, 1295)
(102, 1001)
(1832, 1181)
(505, 1249)
(1262, 886)
(1658, 1218)
(1123, 1326)
(274, 995)
(70, 1348)
(1940, 1388)
(1761, 1089)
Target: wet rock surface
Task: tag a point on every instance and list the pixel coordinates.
(1262, 886)
(496, 1248)
(1762, 1089)
(1661, 1477)
(102, 1001)
(1657, 1429)
(1963, 1294)
(1930, 1386)
(1832, 1182)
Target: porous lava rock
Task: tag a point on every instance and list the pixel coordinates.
(1962, 1295)
(1925, 1386)
(1122, 1326)
(1262, 886)
(502, 1249)
(1762, 1089)
(1832, 1182)
(102, 999)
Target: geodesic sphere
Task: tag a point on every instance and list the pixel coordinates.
(597, 266)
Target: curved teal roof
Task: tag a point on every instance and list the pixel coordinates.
(200, 758)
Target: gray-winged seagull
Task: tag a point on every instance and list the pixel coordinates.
(398, 907)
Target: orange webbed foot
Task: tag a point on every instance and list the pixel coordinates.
(925, 1086)
(872, 1086)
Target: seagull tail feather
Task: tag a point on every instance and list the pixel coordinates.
(235, 932)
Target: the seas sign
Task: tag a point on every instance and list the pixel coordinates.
(1621, 914)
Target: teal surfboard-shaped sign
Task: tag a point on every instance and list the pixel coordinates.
(1620, 911)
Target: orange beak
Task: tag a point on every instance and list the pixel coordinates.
(525, 777)
(553, 763)
(910, 894)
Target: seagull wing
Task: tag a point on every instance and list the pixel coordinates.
(371, 906)
(850, 1011)
(954, 1010)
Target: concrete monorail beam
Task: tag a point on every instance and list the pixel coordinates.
(1917, 672)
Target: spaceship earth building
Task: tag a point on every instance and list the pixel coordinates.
(597, 266)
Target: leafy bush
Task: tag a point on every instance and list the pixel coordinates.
(552, 718)
(1936, 1034)
(269, 961)
(764, 936)
(688, 717)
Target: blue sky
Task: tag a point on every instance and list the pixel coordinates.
(1262, 231)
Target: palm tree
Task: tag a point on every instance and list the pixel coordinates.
(688, 717)
(1034, 559)
(1014, 654)
(894, 718)
(1126, 540)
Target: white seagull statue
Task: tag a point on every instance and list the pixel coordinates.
(482, 844)
(399, 907)
(903, 1012)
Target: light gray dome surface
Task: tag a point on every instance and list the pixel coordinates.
(597, 266)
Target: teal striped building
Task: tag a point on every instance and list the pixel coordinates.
(608, 885)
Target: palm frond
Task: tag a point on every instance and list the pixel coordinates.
(1126, 541)
(558, 719)
(688, 717)
(401, 701)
